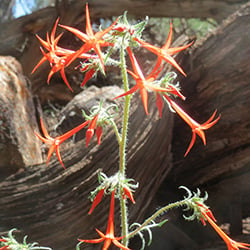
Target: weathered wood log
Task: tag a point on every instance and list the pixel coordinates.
(17, 120)
(50, 204)
(218, 79)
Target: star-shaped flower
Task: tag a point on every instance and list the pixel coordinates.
(231, 244)
(52, 42)
(195, 126)
(91, 40)
(142, 83)
(59, 64)
(165, 53)
(109, 237)
(55, 142)
(58, 57)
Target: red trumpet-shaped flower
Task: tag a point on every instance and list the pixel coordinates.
(142, 83)
(89, 72)
(231, 244)
(91, 131)
(55, 142)
(51, 43)
(97, 200)
(165, 53)
(58, 57)
(126, 193)
(98, 133)
(109, 237)
(170, 89)
(195, 126)
(91, 40)
(88, 75)
(59, 64)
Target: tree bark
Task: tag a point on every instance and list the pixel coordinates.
(17, 120)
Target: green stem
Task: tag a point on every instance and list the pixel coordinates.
(123, 144)
(117, 134)
(155, 215)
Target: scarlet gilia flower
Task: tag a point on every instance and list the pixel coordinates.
(142, 83)
(51, 43)
(55, 142)
(195, 126)
(4, 247)
(91, 40)
(90, 71)
(91, 131)
(231, 244)
(59, 64)
(165, 53)
(97, 200)
(171, 90)
(98, 133)
(109, 237)
(58, 57)
(126, 193)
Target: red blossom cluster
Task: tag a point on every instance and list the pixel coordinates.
(60, 58)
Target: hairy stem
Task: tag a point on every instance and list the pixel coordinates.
(123, 144)
(155, 215)
(117, 134)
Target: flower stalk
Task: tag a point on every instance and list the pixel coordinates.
(123, 38)
(123, 143)
(156, 215)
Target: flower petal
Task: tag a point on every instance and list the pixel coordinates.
(118, 244)
(191, 144)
